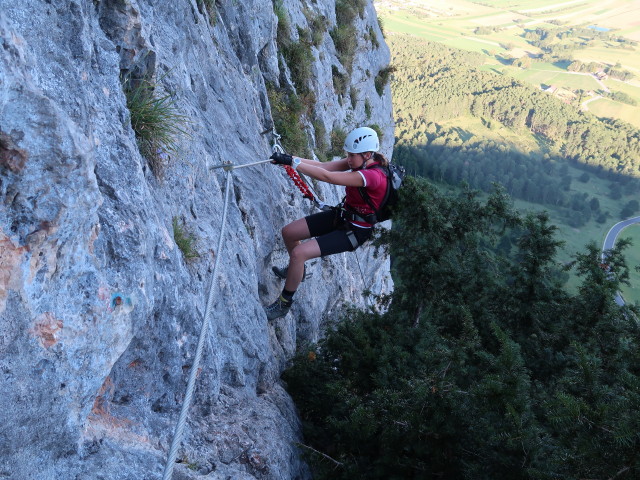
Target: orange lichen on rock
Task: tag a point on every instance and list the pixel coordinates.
(46, 328)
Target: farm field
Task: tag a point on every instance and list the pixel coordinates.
(630, 88)
(406, 24)
(603, 107)
(469, 127)
(541, 75)
(454, 24)
(603, 51)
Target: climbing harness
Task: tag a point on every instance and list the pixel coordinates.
(352, 216)
(352, 239)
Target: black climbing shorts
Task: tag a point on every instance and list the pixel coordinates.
(330, 230)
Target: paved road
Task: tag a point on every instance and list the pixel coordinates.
(586, 102)
(610, 240)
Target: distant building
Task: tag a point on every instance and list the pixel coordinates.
(566, 95)
(601, 75)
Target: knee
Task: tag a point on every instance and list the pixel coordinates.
(298, 255)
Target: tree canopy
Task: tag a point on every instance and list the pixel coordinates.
(483, 366)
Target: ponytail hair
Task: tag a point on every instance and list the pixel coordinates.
(381, 159)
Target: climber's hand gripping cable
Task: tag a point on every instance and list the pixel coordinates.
(279, 157)
(282, 158)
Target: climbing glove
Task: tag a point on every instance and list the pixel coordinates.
(281, 158)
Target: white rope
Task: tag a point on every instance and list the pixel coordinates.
(177, 436)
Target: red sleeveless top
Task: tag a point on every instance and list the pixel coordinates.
(375, 181)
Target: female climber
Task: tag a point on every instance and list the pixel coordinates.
(341, 229)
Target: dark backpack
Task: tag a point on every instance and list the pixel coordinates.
(395, 175)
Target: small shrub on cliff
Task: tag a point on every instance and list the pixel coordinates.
(299, 59)
(372, 37)
(378, 130)
(318, 24)
(382, 78)
(282, 33)
(381, 24)
(156, 121)
(287, 110)
(367, 108)
(345, 39)
(321, 145)
(353, 96)
(184, 239)
(338, 136)
(344, 34)
(297, 54)
(340, 82)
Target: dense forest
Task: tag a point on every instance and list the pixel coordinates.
(433, 83)
(483, 367)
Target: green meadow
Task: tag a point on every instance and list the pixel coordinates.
(630, 89)
(454, 23)
(539, 76)
(604, 107)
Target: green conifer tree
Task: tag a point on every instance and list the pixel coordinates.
(482, 366)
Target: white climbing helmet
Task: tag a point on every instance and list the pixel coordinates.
(360, 140)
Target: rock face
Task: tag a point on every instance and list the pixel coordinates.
(99, 310)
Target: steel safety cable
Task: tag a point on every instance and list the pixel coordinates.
(177, 436)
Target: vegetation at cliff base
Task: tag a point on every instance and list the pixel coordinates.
(484, 366)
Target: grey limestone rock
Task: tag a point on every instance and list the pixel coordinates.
(99, 311)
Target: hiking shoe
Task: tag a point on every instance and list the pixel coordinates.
(278, 309)
(282, 272)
